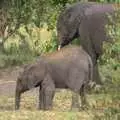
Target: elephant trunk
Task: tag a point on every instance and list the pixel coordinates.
(17, 99)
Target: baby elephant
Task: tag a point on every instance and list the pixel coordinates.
(71, 67)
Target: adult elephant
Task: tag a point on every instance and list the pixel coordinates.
(85, 21)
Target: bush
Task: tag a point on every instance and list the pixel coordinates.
(110, 61)
(25, 48)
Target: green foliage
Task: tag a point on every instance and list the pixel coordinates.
(52, 43)
(112, 50)
(19, 50)
(76, 42)
(110, 61)
(14, 59)
(48, 45)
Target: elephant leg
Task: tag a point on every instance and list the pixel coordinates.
(84, 103)
(96, 75)
(46, 93)
(75, 81)
(75, 102)
(97, 79)
(92, 46)
(41, 99)
(82, 94)
(48, 97)
(45, 98)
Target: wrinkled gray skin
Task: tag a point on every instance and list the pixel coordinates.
(69, 68)
(85, 21)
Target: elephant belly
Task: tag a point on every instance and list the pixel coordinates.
(59, 84)
(59, 77)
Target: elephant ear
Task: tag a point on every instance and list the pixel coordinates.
(32, 81)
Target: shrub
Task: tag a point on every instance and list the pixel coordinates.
(110, 61)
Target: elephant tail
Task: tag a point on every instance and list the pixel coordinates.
(90, 65)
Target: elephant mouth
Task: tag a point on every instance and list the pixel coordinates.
(38, 83)
(66, 39)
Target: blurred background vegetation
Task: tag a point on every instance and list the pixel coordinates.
(28, 29)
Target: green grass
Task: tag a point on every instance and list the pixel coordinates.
(40, 115)
(102, 107)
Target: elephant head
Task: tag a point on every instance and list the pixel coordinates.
(31, 77)
(71, 22)
(68, 22)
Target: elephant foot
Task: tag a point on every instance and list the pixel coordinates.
(75, 109)
(40, 106)
(48, 108)
(75, 106)
(45, 108)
